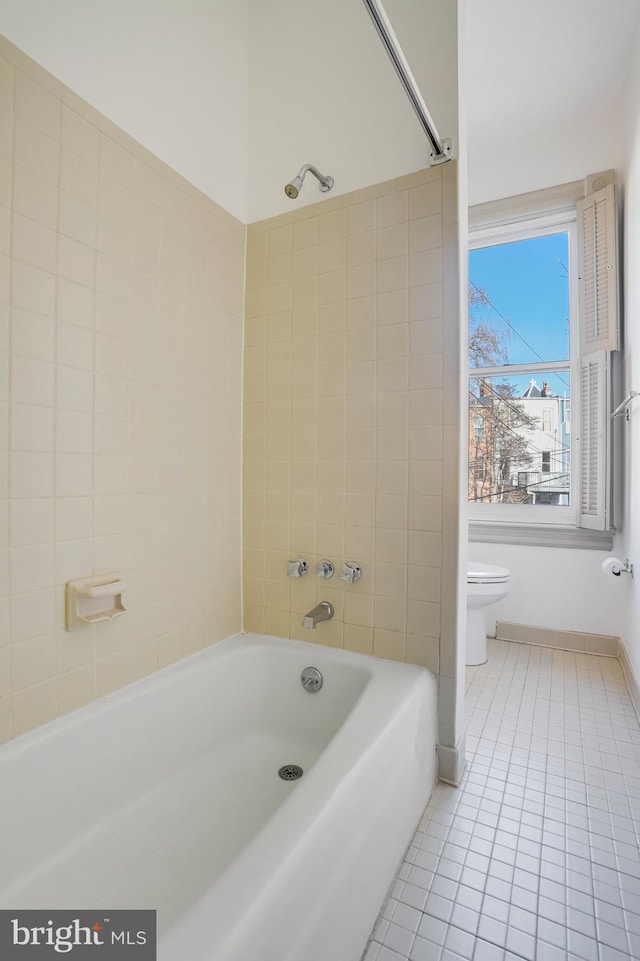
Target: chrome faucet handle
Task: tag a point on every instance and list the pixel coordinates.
(297, 568)
(325, 569)
(351, 572)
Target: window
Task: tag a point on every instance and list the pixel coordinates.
(542, 319)
(521, 334)
(479, 470)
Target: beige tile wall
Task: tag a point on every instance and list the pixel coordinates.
(346, 342)
(121, 296)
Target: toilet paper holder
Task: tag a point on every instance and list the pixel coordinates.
(613, 565)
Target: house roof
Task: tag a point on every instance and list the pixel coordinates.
(532, 390)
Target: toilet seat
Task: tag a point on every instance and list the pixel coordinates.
(478, 573)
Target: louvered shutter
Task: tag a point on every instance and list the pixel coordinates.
(597, 272)
(594, 441)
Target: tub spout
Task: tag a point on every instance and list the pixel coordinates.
(322, 612)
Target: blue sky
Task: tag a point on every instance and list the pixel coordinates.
(526, 282)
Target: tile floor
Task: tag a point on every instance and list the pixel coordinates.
(536, 855)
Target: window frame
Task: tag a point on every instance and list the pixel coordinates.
(528, 227)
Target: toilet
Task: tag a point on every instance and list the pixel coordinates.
(486, 584)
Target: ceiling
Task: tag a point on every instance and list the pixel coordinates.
(545, 89)
(237, 94)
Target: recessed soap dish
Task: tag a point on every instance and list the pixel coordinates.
(91, 599)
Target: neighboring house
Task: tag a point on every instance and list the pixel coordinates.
(547, 429)
(519, 445)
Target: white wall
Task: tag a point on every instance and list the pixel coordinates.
(171, 74)
(323, 91)
(528, 147)
(546, 91)
(463, 285)
(557, 151)
(558, 588)
(628, 542)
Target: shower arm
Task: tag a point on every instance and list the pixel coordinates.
(441, 150)
(326, 183)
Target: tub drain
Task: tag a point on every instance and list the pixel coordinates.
(290, 772)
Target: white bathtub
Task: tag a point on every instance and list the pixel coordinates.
(166, 795)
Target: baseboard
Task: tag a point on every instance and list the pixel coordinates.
(604, 645)
(630, 678)
(452, 762)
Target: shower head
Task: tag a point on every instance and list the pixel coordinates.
(293, 189)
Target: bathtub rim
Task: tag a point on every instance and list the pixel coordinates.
(163, 676)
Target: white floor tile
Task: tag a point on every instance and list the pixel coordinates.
(399, 939)
(535, 856)
(424, 950)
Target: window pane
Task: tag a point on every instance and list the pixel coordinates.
(519, 439)
(519, 302)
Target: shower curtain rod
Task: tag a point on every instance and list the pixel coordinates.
(441, 150)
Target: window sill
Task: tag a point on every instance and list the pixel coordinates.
(540, 535)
